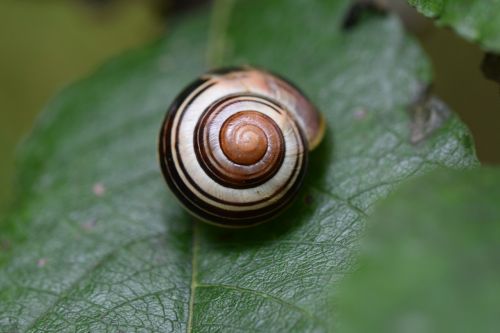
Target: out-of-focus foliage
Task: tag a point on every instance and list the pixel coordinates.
(476, 20)
(430, 260)
(460, 83)
(126, 257)
(47, 44)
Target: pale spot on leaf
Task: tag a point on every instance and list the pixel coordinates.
(41, 262)
(89, 225)
(360, 113)
(99, 189)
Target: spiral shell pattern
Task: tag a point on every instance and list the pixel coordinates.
(233, 146)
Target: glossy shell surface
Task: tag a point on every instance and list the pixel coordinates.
(234, 145)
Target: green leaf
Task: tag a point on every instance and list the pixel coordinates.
(98, 243)
(430, 258)
(475, 20)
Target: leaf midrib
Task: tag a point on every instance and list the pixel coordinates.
(194, 272)
(221, 11)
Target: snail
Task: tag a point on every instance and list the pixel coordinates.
(234, 145)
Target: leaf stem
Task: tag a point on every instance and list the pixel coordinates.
(221, 13)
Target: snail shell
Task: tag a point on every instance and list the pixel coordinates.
(234, 145)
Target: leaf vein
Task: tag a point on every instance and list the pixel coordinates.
(87, 273)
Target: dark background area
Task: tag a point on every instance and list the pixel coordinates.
(45, 45)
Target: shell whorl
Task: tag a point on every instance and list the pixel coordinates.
(233, 146)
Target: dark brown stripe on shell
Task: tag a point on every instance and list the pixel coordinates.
(197, 187)
(214, 171)
(197, 205)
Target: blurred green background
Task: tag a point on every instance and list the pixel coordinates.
(45, 45)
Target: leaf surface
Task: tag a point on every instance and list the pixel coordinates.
(430, 258)
(98, 243)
